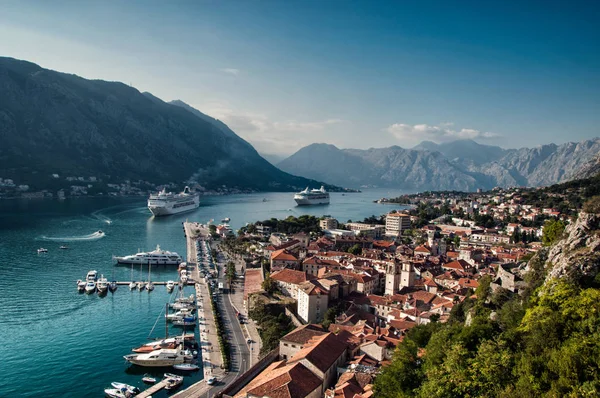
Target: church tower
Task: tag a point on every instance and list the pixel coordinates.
(392, 278)
(407, 276)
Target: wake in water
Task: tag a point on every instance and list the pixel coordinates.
(95, 236)
(98, 216)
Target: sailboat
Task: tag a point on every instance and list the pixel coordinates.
(141, 285)
(132, 284)
(149, 285)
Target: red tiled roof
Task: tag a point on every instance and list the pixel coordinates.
(457, 265)
(321, 351)
(283, 381)
(283, 255)
(291, 276)
(303, 334)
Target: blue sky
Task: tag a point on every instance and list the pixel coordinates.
(284, 74)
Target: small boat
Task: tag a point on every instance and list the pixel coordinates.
(185, 321)
(173, 381)
(116, 393)
(141, 286)
(63, 247)
(99, 232)
(42, 250)
(90, 287)
(91, 275)
(120, 386)
(81, 285)
(186, 366)
(148, 379)
(132, 285)
(102, 285)
(170, 286)
(112, 286)
(150, 286)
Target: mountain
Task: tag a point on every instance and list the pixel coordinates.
(464, 150)
(58, 123)
(272, 157)
(460, 165)
(388, 167)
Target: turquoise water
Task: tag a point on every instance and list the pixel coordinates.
(58, 342)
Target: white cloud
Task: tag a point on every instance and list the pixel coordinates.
(273, 136)
(443, 132)
(231, 71)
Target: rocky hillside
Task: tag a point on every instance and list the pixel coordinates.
(57, 123)
(459, 165)
(577, 255)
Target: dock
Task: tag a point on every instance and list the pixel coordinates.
(153, 390)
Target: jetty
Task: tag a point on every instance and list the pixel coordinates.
(153, 390)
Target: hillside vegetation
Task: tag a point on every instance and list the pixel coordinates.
(543, 343)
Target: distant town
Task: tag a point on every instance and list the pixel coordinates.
(75, 186)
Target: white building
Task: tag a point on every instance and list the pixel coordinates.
(396, 224)
(312, 302)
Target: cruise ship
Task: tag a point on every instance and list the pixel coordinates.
(155, 257)
(166, 203)
(312, 197)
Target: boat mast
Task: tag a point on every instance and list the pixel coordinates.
(166, 320)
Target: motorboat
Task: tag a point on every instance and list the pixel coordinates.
(120, 386)
(132, 285)
(91, 275)
(187, 367)
(117, 393)
(90, 287)
(81, 285)
(63, 247)
(176, 340)
(179, 314)
(170, 286)
(181, 306)
(102, 285)
(158, 358)
(185, 321)
(42, 250)
(112, 286)
(148, 379)
(173, 381)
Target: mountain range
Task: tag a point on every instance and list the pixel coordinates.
(58, 123)
(458, 165)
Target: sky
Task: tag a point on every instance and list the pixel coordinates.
(355, 74)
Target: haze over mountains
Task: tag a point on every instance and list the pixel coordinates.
(457, 165)
(57, 123)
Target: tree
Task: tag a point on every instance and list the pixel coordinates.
(552, 232)
(355, 249)
(268, 285)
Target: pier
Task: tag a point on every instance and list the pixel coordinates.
(152, 390)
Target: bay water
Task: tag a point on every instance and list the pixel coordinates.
(58, 342)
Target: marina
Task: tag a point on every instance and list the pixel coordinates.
(30, 316)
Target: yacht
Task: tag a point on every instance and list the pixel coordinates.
(166, 203)
(312, 197)
(81, 285)
(158, 358)
(155, 257)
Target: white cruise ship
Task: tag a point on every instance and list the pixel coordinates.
(166, 203)
(155, 257)
(312, 197)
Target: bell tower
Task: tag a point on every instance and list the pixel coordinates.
(392, 278)
(407, 277)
